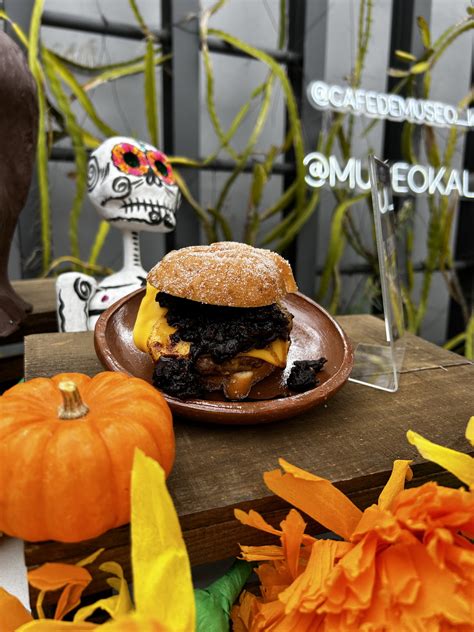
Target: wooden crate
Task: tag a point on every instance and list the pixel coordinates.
(352, 441)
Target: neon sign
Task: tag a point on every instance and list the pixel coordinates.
(386, 106)
(417, 179)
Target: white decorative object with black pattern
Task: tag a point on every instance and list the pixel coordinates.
(132, 186)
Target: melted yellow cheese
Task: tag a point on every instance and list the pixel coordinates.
(149, 313)
(152, 315)
(275, 353)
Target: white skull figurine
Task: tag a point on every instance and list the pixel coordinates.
(131, 184)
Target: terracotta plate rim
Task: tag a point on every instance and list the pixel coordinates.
(237, 412)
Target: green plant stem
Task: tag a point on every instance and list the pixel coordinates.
(363, 38)
(294, 122)
(209, 72)
(127, 69)
(151, 104)
(257, 130)
(77, 264)
(200, 212)
(336, 243)
(42, 156)
(60, 70)
(80, 155)
(139, 18)
(99, 241)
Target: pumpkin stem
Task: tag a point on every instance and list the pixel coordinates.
(72, 407)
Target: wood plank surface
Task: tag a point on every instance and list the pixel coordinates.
(40, 293)
(352, 440)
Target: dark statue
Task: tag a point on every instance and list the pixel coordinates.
(18, 132)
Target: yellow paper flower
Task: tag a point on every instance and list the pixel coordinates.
(459, 464)
(163, 589)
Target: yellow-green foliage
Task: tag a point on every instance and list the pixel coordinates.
(54, 75)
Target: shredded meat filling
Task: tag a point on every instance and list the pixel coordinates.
(217, 334)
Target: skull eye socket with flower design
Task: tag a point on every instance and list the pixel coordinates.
(131, 160)
(131, 183)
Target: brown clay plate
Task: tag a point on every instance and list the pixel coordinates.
(315, 333)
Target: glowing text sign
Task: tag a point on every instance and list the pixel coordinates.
(417, 179)
(357, 101)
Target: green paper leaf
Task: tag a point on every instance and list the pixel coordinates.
(213, 605)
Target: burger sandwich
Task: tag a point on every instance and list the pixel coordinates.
(212, 319)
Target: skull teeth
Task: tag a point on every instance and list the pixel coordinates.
(147, 206)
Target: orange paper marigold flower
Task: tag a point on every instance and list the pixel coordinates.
(405, 564)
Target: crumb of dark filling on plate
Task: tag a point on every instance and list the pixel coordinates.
(303, 374)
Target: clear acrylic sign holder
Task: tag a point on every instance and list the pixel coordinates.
(379, 365)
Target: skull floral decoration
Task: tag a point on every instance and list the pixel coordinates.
(132, 186)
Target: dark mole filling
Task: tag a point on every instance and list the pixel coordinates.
(303, 374)
(221, 332)
(177, 377)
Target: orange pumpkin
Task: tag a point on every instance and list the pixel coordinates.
(66, 452)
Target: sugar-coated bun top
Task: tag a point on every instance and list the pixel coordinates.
(225, 273)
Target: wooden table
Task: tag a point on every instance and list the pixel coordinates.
(40, 293)
(352, 440)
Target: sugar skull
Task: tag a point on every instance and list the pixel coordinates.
(131, 184)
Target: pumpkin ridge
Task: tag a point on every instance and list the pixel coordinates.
(17, 428)
(46, 525)
(21, 389)
(10, 491)
(144, 423)
(116, 491)
(75, 513)
(122, 418)
(103, 384)
(125, 420)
